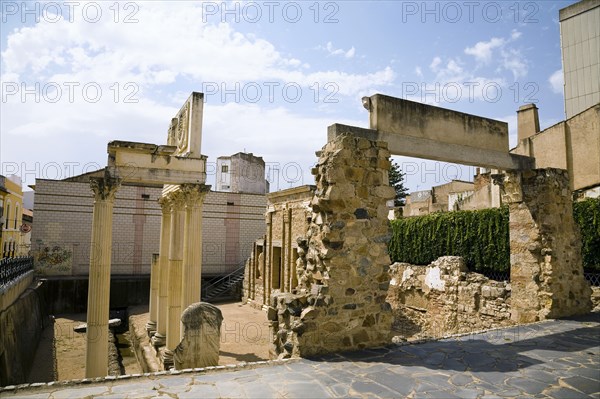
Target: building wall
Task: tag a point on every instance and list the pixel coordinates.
(245, 174)
(12, 239)
(271, 267)
(573, 145)
(580, 41)
(62, 230)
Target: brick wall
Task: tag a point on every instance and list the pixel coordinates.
(62, 228)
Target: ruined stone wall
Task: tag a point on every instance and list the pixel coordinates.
(342, 269)
(545, 247)
(444, 298)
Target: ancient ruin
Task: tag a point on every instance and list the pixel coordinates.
(339, 302)
(180, 166)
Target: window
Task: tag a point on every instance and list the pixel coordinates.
(16, 215)
(7, 216)
(224, 168)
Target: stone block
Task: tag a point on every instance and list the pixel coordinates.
(201, 337)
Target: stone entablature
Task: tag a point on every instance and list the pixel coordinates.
(444, 298)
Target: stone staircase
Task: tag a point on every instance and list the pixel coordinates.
(221, 287)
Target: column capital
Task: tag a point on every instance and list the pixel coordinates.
(165, 204)
(193, 194)
(176, 200)
(104, 188)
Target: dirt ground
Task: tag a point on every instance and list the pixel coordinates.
(244, 338)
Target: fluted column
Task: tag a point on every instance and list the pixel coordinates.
(159, 339)
(96, 360)
(153, 300)
(192, 248)
(175, 265)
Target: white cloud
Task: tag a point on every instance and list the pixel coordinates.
(510, 59)
(556, 81)
(338, 51)
(482, 51)
(435, 63)
(418, 72)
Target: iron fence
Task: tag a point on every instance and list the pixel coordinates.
(11, 268)
(593, 278)
(498, 276)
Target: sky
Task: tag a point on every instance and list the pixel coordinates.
(76, 75)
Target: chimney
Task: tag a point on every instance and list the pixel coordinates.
(528, 121)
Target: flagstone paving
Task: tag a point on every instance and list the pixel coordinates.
(553, 359)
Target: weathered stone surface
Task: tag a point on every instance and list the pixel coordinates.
(444, 298)
(339, 302)
(546, 268)
(201, 337)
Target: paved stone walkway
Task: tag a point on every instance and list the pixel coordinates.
(556, 359)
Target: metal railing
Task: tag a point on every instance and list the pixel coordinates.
(225, 280)
(497, 276)
(12, 268)
(593, 278)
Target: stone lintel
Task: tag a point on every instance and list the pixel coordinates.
(399, 144)
(410, 118)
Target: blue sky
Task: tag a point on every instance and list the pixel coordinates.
(78, 75)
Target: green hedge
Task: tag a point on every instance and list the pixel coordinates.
(587, 216)
(480, 237)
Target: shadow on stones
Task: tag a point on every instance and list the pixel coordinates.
(248, 357)
(500, 350)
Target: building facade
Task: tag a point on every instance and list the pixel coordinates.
(63, 220)
(241, 173)
(272, 264)
(11, 218)
(580, 44)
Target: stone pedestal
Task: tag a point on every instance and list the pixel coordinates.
(153, 300)
(96, 364)
(193, 195)
(160, 337)
(546, 271)
(343, 265)
(175, 266)
(201, 337)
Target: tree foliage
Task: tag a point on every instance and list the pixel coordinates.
(397, 181)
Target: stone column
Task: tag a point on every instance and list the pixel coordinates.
(96, 360)
(175, 265)
(193, 195)
(546, 272)
(153, 300)
(159, 338)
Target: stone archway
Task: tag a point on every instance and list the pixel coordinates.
(343, 277)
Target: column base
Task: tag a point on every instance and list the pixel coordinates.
(151, 328)
(166, 357)
(159, 340)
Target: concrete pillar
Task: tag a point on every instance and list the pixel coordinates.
(528, 121)
(175, 266)
(153, 300)
(96, 359)
(160, 337)
(193, 195)
(546, 272)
